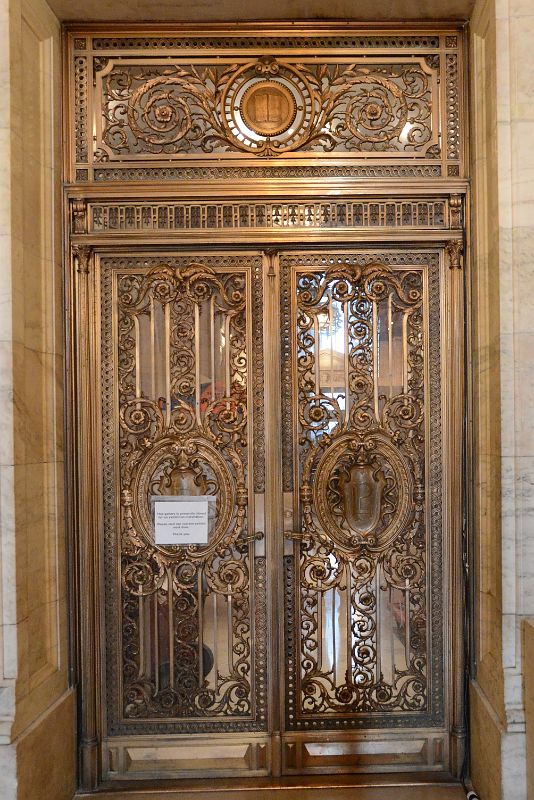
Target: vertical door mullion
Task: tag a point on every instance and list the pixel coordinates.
(274, 501)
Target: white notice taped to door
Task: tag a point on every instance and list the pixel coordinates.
(181, 522)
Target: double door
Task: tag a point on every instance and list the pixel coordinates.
(308, 403)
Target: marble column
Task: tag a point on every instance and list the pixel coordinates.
(37, 727)
(502, 80)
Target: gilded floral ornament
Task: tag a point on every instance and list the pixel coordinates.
(268, 107)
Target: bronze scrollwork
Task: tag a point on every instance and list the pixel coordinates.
(185, 438)
(360, 553)
(267, 107)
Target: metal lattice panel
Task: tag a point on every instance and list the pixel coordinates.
(363, 649)
(159, 104)
(186, 616)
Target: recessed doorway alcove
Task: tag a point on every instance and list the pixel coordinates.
(279, 252)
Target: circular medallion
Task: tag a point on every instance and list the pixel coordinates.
(363, 491)
(268, 108)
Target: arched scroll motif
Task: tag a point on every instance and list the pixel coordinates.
(359, 641)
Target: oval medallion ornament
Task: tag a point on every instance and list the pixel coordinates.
(363, 491)
(175, 469)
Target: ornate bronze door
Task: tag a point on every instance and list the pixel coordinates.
(266, 232)
(182, 417)
(364, 407)
(323, 568)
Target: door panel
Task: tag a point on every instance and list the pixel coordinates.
(363, 483)
(353, 577)
(185, 625)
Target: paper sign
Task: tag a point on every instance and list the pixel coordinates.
(181, 522)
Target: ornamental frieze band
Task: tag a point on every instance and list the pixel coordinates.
(355, 100)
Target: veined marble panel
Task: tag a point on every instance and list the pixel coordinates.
(36, 709)
(504, 167)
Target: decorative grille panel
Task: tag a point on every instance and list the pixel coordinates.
(362, 445)
(185, 624)
(143, 106)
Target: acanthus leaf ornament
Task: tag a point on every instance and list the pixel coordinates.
(455, 252)
(83, 254)
(267, 107)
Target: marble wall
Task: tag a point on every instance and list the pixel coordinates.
(487, 691)
(528, 660)
(36, 757)
(502, 84)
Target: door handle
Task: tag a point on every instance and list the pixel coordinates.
(254, 537)
(296, 536)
